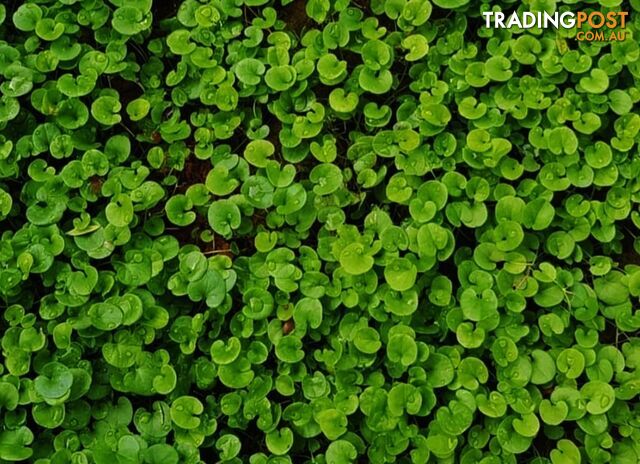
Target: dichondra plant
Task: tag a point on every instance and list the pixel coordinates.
(329, 232)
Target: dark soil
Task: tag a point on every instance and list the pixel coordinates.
(295, 16)
(195, 172)
(629, 254)
(164, 9)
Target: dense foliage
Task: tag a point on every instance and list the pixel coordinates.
(316, 232)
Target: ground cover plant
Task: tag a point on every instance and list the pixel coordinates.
(316, 232)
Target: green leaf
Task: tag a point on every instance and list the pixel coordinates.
(367, 340)
(224, 216)
(289, 349)
(54, 382)
(106, 110)
(185, 412)
(333, 423)
(279, 442)
(354, 259)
